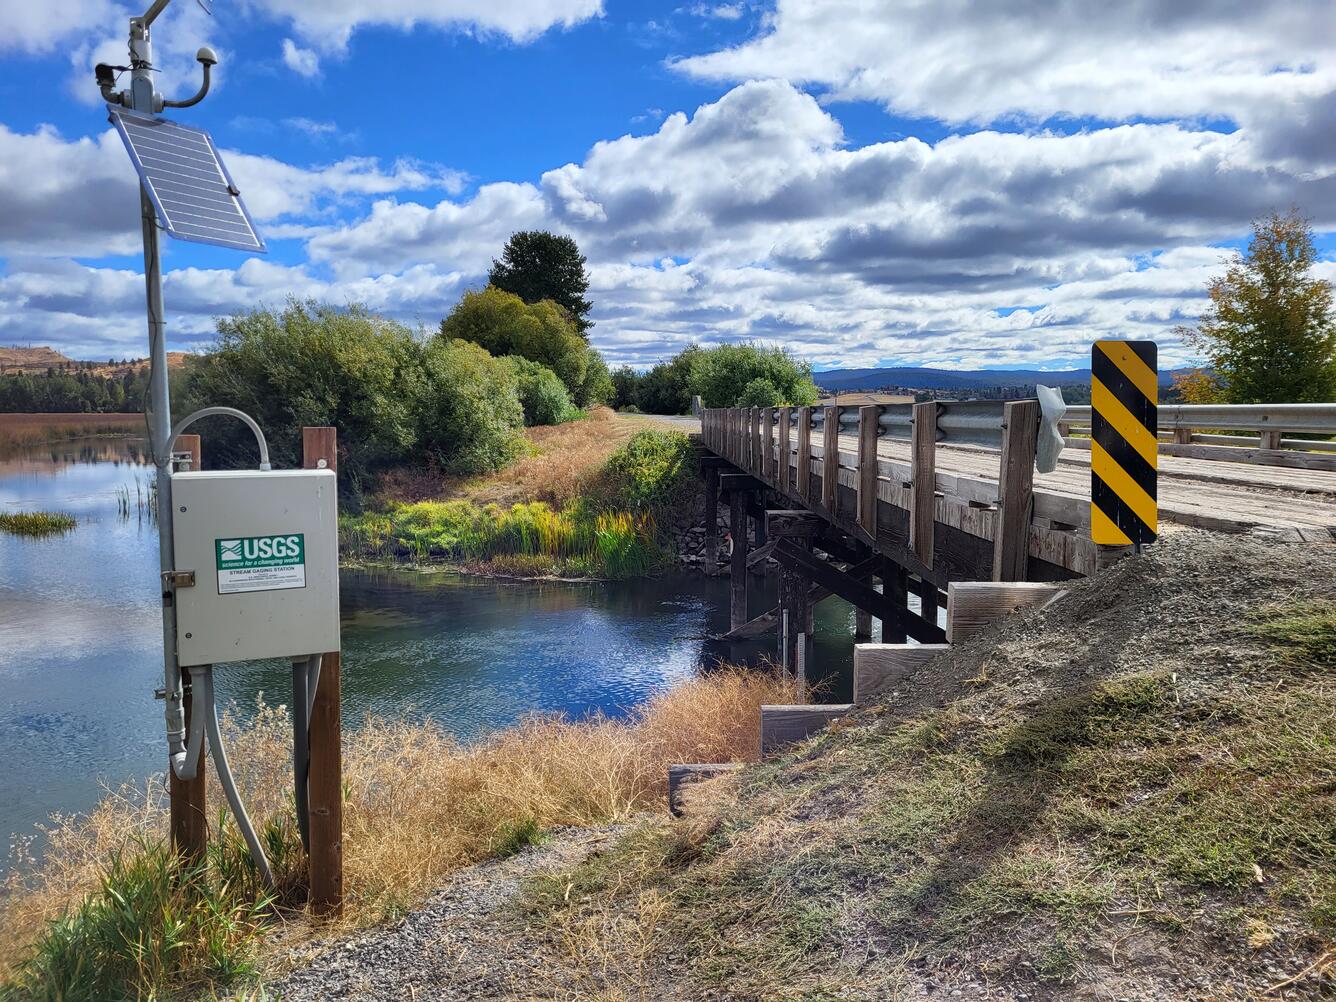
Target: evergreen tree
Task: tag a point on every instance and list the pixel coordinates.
(537, 265)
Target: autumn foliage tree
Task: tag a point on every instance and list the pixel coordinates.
(1269, 335)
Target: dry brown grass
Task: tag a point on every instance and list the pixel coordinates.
(560, 462)
(38, 429)
(419, 804)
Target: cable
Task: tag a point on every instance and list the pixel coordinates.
(229, 785)
(185, 764)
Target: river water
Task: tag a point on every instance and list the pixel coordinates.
(80, 640)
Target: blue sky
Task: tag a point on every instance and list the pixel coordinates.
(867, 182)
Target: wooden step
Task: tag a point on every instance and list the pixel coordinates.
(972, 606)
(695, 772)
(785, 725)
(880, 668)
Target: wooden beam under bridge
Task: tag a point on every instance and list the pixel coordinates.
(857, 592)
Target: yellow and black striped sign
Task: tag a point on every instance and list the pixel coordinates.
(1123, 448)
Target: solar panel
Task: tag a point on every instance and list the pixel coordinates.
(186, 181)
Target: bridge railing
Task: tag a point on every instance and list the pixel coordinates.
(806, 453)
(1210, 431)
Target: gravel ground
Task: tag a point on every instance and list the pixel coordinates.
(462, 944)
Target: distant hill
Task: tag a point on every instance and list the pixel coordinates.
(36, 361)
(954, 379)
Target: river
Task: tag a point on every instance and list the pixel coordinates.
(80, 640)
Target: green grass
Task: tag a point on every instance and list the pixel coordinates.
(36, 523)
(1003, 836)
(612, 533)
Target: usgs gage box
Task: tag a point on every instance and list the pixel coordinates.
(264, 548)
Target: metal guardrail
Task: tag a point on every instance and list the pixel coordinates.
(964, 422)
(1308, 419)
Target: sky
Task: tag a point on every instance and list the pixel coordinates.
(867, 182)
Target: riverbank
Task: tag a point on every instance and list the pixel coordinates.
(603, 497)
(23, 430)
(1125, 795)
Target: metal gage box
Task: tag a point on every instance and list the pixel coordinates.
(264, 547)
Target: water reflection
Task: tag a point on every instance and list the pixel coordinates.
(80, 656)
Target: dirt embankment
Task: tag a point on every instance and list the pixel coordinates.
(1128, 795)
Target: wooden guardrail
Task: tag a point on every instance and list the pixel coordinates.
(1200, 431)
(898, 506)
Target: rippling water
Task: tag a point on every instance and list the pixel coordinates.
(80, 640)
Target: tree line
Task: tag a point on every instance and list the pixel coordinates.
(61, 391)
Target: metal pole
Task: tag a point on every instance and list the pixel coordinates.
(144, 100)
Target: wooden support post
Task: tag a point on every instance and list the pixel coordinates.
(923, 489)
(972, 606)
(320, 447)
(867, 469)
(768, 445)
(754, 441)
(711, 519)
(1271, 439)
(879, 668)
(1182, 436)
(863, 620)
(1015, 490)
(189, 813)
(785, 725)
(737, 582)
(785, 471)
(927, 596)
(895, 591)
(830, 460)
(803, 484)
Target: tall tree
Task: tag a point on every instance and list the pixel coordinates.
(1269, 333)
(537, 265)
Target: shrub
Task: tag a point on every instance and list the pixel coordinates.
(665, 389)
(761, 392)
(504, 324)
(542, 395)
(597, 387)
(649, 473)
(469, 409)
(722, 375)
(309, 365)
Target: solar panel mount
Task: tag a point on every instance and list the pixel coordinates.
(185, 178)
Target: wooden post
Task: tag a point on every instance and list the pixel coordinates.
(711, 519)
(737, 590)
(1271, 439)
(754, 438)
(320, 447)
(1015, 490)
(867, 469)
(795, 589)
(803, 484)
(189, 813)
(830, 461)
(895, 590)
(1182, 436)
(785, 471)
(768, 444)
(863, 618)
(923, 490)
(927, 596)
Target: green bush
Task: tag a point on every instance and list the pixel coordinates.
(722, 376)
(597, 387)
(649, 473)
(542, 395)
(761, 392)
(469, 409)
(665, 389)
(312, 364)
(505, 324)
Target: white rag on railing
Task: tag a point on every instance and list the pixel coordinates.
(1051, 410)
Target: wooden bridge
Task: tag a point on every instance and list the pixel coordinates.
(941, 502)
(923, 495)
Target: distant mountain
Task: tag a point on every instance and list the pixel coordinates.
(35, 361)
(954, 379)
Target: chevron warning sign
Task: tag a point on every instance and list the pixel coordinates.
(1123, 448)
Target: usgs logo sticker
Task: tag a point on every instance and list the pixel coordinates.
(261, 563)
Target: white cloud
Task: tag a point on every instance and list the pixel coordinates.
(35, 26)
(303, 62)
(962, 61)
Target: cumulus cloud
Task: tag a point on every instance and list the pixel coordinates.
(962, 61)
(80, 197)
(303, 62)
(37, 27)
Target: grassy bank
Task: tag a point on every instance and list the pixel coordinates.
(589, 500)
(19, 430)
(36, 523)
(109, 913)
(1129, 795)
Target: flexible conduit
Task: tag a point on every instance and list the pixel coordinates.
(305, 681)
